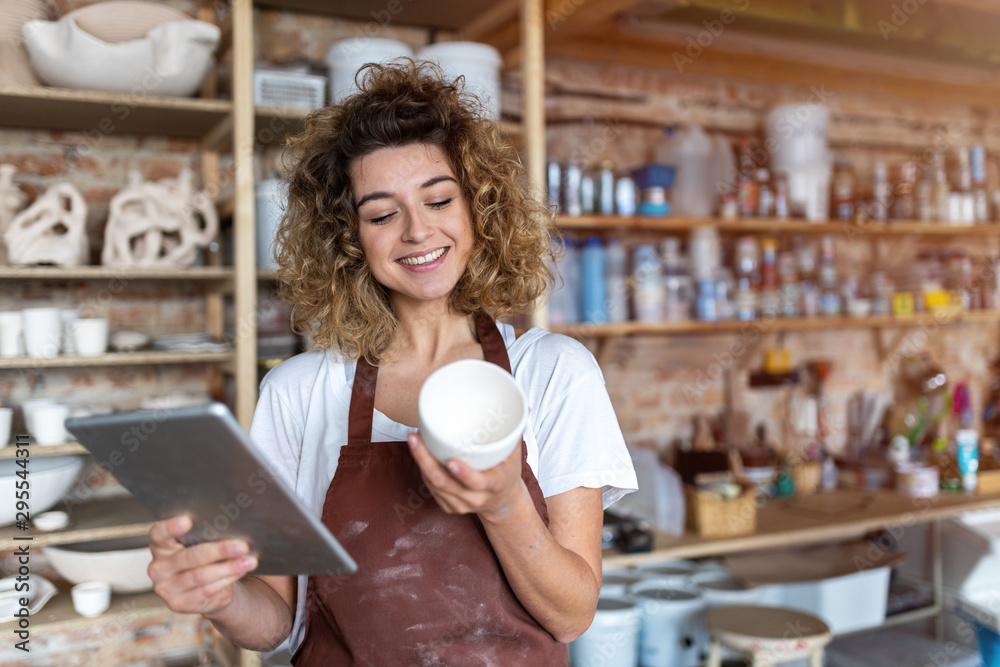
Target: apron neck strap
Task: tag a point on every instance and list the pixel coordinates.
(359, 430)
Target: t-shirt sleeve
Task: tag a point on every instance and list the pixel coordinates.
(579, 440)
(277, 434)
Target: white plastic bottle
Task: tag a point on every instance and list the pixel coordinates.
(648, 297)
(616, 281)
(690, 152)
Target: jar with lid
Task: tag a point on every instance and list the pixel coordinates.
(781, 203)
(904, 205)
(805, 254)
(843, 189)
(606, 188)
(788, 278)
(677, 306)
(881, 193)
(648, 288)
(746, 265)
(746, 187)
(882, 291)
(765, 195)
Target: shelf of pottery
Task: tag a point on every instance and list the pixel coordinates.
(83, 294)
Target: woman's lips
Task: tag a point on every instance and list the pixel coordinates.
(429, 266)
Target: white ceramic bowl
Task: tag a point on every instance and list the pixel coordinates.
(472, 410)
(121, 562)
(51, 478)
(39, 591)
(172, 59)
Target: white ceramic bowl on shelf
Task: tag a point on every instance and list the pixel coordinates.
(121, 562)
(51, 477)
(172, 59)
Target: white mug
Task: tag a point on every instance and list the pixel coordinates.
(90, 336)
(29, 406)
(42, 331)
(6, 416)
(11, 334)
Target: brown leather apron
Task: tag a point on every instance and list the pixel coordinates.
(429, 589)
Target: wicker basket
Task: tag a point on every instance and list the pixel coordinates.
(807, 477)
(709, 515)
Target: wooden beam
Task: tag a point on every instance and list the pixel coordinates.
(496, 17)
(812, 78)
(576, 16)
(533, 118)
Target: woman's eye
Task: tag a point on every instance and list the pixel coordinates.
(441, 204)
(381, 219)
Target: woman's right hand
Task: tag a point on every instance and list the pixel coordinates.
(197, 579)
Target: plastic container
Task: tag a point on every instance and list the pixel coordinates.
(612, 640)
(852, 602)
(690, 152)
(618, 582)
(478, 63)
(347, 56)
(616, 281)
(660, 498)
(799, 135)
(270, 199)
(595, 308)
(648, 290)
(971, 551)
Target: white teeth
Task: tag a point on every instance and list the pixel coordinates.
(423, 259)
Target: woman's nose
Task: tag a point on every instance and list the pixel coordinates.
(417, 228)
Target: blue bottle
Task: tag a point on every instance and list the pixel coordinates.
(595, 301)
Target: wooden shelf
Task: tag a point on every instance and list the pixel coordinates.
(58, 614)
(115, 273)
(37, 450)
(853, 231)
(824, 517)
(778, 324)
(102, 113)
(117, 359)
(447, 14)
(101, 519)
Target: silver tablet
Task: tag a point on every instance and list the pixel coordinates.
(198, 461)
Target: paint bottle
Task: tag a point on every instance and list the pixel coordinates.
(616, 282)
(967, 450)
(595, 310)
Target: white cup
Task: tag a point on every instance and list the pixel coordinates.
(472, 410)
(67, 316)
(6, 416)
(90, 336)
(42, 332)
(91, 598)
(11, 334)
(49, 423)
(28, 408)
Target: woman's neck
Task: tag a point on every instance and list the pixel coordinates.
(429, 331)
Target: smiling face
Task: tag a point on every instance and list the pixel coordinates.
(415, 228)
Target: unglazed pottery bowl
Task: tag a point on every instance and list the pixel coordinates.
(472, 410)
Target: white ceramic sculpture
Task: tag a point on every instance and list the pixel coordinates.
(12, 200)
(50, 231)
(161, 223)
(172, 59)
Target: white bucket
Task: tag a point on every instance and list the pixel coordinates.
(270, 206)
(478, 63)
(616, 583)
(671, 573)
(612, 640)
(668, 637)
(347, 56)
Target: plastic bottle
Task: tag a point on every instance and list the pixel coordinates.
(606, 188)
(882, 193)
(595, 308)
(560, 305)
(571, 276)
(616, 281)
(690, 152)
(765, 195)
(648, 294)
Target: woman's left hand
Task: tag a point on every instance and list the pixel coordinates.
(460, 489)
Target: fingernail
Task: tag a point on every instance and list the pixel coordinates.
(412, 441)
(248, 563)
(237, 549)
(454, 468)
(180, 523)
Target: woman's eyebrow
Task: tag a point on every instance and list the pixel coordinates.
(423, 186)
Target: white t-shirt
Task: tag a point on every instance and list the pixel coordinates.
(572, 438)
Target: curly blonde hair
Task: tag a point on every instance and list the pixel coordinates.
(322, 268)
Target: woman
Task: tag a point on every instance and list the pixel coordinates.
(409, 228)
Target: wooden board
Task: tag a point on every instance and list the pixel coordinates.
(123, 274)
(37, 450)
(117, 359)
(838, 515)
(99, 114)
(58, 614)
(100, 519)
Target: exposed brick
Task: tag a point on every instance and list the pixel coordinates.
(37, 164)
